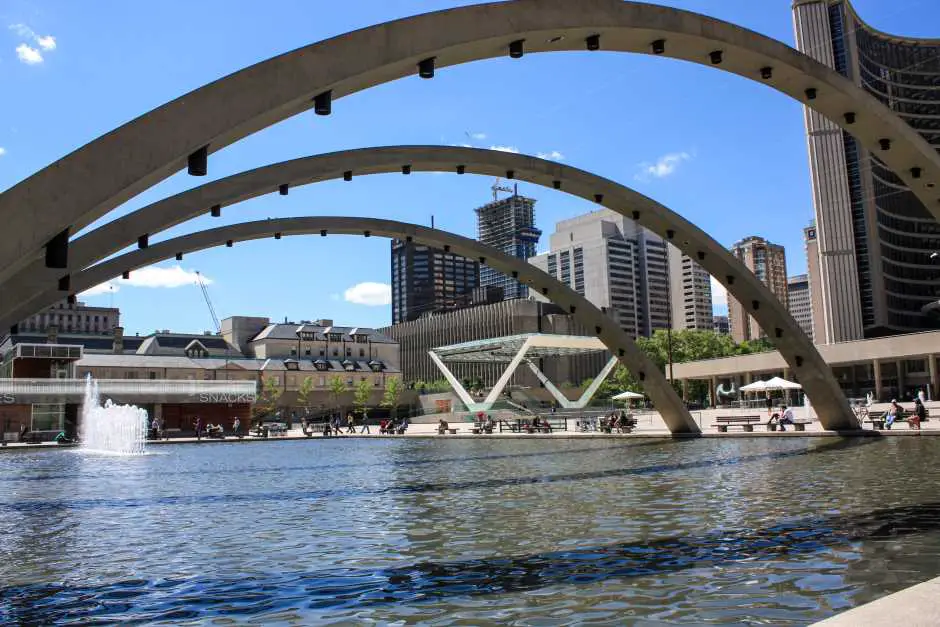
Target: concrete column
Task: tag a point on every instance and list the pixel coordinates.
(901, 384)
(934, 381)
(713, 391)
(876, 367)
(685, 390)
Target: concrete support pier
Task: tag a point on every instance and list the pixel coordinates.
(917, 606)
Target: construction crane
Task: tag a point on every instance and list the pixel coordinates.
(205, 294)
(497, 188)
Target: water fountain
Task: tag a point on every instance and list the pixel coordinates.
(109, 428)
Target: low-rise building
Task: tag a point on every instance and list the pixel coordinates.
(210, 376)
(891, 367)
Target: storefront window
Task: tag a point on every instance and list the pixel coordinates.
(48, 417)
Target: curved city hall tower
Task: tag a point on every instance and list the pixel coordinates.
(875, 237)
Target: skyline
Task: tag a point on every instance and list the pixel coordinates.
(737, 132)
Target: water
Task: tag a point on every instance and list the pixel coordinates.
(520, 532)
(109, 428)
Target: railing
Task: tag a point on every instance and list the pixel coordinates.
(25, 390)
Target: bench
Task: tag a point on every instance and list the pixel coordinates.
(748, 422)
(798, 425)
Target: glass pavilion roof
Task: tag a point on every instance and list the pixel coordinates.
(504, 349)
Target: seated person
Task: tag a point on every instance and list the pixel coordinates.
(442, 427)
(488, 425)
(383, 426)
(63, 439)
(919, 415)
(786, 417)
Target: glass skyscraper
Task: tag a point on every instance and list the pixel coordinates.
(874, 236)
(428, 280)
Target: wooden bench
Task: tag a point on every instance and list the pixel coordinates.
(748, 422)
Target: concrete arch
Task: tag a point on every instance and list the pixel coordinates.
(621, 345)
(86, 184)
(783, 331)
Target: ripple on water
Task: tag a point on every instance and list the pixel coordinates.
(453, 532)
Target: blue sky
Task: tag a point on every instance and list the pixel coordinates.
(732, 153)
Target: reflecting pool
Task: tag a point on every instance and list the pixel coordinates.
(526, 531)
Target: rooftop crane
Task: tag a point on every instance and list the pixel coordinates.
(205, 294)
(498, 188)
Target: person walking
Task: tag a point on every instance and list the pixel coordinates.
(770, 404)
(198, 427)
(350, 424)
(236, 427)
(365, 423)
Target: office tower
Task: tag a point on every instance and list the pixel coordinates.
(690, 293)
(874, 236)
(508, 225)
(73, 318)
(768, 262)
(614, 263)
(800, 305)
(428, 280)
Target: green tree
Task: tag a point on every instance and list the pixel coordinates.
(303, 393)
(337, 388)
(268, 397)
(361, 394)
(392, 395)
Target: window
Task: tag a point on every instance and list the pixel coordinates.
(307, 352)
(48, 417)
(362, 352)
(349, 352)
(153, 375)
(321, 382)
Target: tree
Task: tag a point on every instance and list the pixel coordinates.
(337, 389)
(303, 393)
(267, 398)
(362, 393)
(392, 395)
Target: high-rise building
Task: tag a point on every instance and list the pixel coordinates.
(874, 236)
(815, 283)
(768, 262)
(508, 225)
(721, 325)
(614, 263)
(73, 318)
(690, 292)
(800, 304)
(428, 280)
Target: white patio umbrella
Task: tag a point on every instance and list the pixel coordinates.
(781, 384)
(757, 386)
(627, 396)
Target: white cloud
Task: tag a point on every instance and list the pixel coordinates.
(153, 277)
(28, 55)
(3, 151)
(554, 155)
(511, 149)
(663, 167)
(46, 43)
(719, 296)
(371, 294)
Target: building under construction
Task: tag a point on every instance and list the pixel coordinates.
(508, 224)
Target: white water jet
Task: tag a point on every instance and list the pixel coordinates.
(109, 428)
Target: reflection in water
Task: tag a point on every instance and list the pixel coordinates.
(516, 532)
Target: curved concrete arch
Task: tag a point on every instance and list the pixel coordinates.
(86, 184)
(621, 345)
(783, 331)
